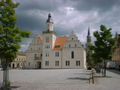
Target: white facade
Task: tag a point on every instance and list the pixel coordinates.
(19, 61)
(34, 53)
(48, 51)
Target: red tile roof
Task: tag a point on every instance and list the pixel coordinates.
(59, 43)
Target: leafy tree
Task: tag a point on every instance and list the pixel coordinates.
(103, 46)
(10, 36)
(90, 61)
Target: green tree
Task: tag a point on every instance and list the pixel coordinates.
(103, 46)
(90, 61)
(10, 36)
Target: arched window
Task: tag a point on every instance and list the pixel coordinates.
(72, 54)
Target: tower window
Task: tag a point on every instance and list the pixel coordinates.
(72, 54)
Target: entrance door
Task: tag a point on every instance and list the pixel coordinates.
(13, 65)
(39, 65)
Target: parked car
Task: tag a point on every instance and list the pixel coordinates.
(111, 65)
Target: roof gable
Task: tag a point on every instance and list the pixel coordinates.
(40, 36)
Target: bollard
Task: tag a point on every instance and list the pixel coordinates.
(92, 77)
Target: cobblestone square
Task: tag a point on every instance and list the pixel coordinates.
(60, 79)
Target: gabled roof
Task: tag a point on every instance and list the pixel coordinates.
(59, 43)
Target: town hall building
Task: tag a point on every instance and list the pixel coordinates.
(48, 51)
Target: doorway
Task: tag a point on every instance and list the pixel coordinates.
(39, 65)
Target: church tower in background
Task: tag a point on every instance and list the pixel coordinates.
(88, 40)
(88, 36)
(88, 51)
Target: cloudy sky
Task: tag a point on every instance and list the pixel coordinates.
(68, 15)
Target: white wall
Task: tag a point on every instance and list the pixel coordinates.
(35, 47)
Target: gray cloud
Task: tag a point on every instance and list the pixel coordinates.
(68, 15)
(100, 5)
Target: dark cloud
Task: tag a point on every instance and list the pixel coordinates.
(100, 5)
(46, 5)
(30, 23)
(68, 15)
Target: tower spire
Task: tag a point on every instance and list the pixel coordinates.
(88, 31)
(49, 24)
(49, 18)
(88, 36)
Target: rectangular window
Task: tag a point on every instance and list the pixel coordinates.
(47, 46)
(69, 46)
(29, 64)
(57, 54)
(47, 55)
(36, 57)
(67, 63)
(75, 45)
(72, 54)
(46, 63)
(56, 63)
(77, 63)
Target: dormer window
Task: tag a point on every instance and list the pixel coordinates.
(57, 46)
